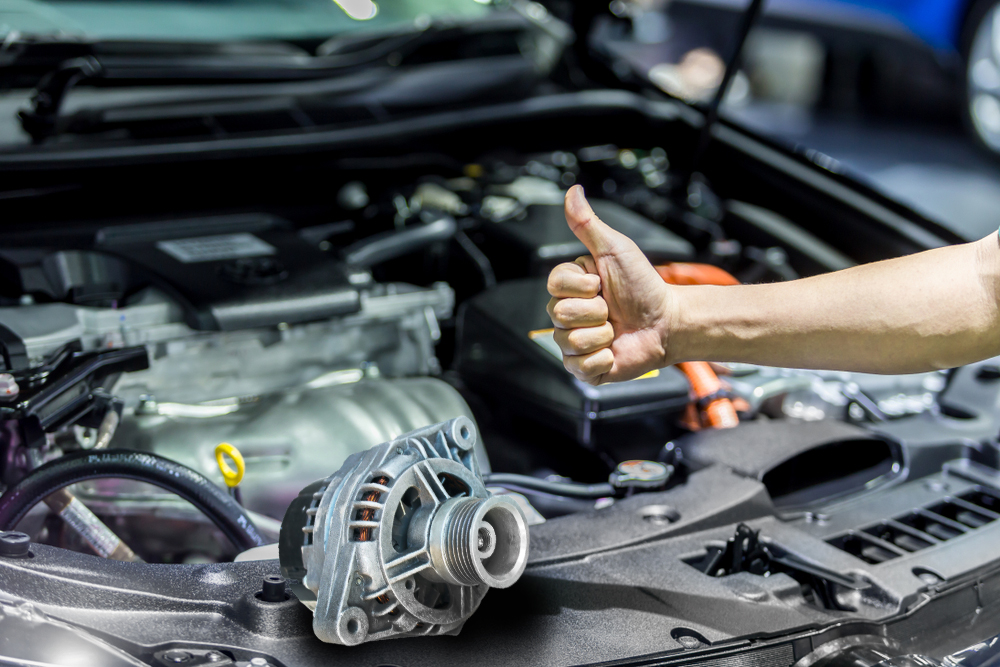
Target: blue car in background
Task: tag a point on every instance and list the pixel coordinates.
(918, 57)
(970, 29)
(939, 23)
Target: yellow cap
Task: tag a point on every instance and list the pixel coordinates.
(231, 477)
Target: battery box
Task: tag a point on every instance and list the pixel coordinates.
(506, 352)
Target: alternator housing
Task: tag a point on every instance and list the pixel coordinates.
(403, 540)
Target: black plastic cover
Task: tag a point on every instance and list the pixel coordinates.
(800, 463)
(535, 244)
(237, 272)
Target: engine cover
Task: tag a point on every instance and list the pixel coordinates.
(404, 540)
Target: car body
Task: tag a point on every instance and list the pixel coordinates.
(938, 24)
(308, 248)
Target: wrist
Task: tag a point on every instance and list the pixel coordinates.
(683, 336)
(670, 328)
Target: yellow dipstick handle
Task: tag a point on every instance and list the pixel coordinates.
(231, 477)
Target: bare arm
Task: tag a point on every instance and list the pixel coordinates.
(935, 309)
(932, 310)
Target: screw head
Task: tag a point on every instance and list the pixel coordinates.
(259, 662)
(14, 544)
(8, 387)
(214, 656)
(177, 655)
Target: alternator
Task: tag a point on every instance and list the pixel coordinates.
(403, 540)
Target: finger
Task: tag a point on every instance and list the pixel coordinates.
(588, 263)
(590, 367)
(576, 342)
(575, 313)
(572, 280)
(591, 230)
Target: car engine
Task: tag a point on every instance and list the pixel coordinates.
(397, 349)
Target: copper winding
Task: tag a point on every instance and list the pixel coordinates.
(384, 599)
(368, 513)
(365, 533)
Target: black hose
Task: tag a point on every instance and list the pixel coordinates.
(390, 245)
(534, 485)
(81, 466)
(477, 257)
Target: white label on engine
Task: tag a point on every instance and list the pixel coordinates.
(214, 248)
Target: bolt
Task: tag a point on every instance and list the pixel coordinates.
(8, 387)
(14, 544)
(176, 655)
(214, 656)
(259, 662)
(688, 642)
(147, 405)
(273, 589)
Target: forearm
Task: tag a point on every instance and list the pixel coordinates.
(936, 309)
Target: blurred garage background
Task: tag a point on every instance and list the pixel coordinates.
(902, 93)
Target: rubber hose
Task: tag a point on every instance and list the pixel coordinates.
(684, 273)
(81, 466)
(390, 245)
(705, 383)
(564, 489)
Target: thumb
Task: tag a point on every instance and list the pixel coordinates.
(591, 230)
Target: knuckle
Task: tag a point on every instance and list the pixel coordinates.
(581, 341)
(590, 285)
(559, 278)
(575, 340)
(601, 308)
(599, 362)
(562, 340)
(551, 308)
(570, 364)
(559, 314)
(555, 282)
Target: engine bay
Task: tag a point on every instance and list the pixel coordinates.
(409, 290)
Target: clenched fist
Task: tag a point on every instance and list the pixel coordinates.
(611, 311)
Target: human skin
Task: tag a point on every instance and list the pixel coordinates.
(616, 319)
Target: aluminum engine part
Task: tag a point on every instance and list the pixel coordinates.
(285, 439)
(404, 540)
(814, 395)
(396, 330)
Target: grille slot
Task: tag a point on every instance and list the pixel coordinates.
(932, 524)
(962, 512)
(922, 528)
(902, 536)
(983, 499)
(869, 549)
